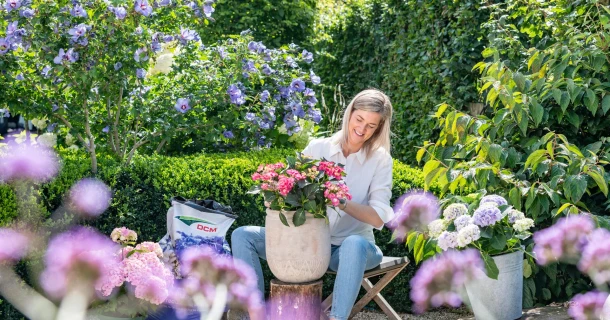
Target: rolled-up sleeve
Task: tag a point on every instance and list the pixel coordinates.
(380, 190)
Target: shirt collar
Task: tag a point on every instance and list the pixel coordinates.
(336, 148)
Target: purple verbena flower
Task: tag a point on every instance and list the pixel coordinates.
(562, 241)
(587, 306)
(487, 215)
(75, 254)
(140, 73)
(142, 7)
(413, 211)
(595, 260)
(28, 162)
(493, 200)
(78, 11)
(439, 280)
(90, 197)
(264, 96)
(228, 134)
(182, 105)
(11, 5)
(13, 245)
(307, 56)
(314, 79)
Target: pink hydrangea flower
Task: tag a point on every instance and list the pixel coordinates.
(13, 245)
(123, 235)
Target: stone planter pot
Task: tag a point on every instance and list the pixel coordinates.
(297, 254)
(499, 299)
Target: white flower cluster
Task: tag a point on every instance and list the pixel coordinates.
(468, 234)
(436, 227)
(523, 225)
(455, 210)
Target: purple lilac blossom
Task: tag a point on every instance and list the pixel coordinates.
(236, 95)
(117, 66)
(228, 134)
(140, 73)
(13, 245)
(562, 241)
(595, 260)
(26, 13)
(182, 105)
(493, 199)
(487, 215)
(28, 162)
(4, 45)
(77, 252)
(314, 79)
(438, 281)
(69, 56)
(264, 96)
(291, 63)
(78, 11)
(90, 197)
(11, 5)
(307, 56)
(587, 306)
(142, 7)
(207, 8)
(414, 210)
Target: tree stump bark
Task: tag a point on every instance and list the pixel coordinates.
(298, 301)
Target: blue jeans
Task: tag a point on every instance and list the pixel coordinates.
(349, 260)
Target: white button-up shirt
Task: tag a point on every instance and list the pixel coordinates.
(369, 181)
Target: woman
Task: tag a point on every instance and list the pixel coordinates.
(363, 146)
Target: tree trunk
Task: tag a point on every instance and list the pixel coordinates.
(295, 300)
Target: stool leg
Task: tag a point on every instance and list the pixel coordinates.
(381, 302)
(389, 276)
(326, 304)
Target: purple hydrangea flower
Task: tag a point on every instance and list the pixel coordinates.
(13, 245)
(562, 241)
(487, 215)
(438, 281)
(264, 96)
(26, 13)
(207, 8)
(291, 63)
(140, 54)
(236, 95)
(11, 5)
(307, 56)
(316, 115)
(68, 56)
(266, 69)
(494, 200)
(187, 35)
(314, 79)
(595, 260)
(78, 31)
(4, 45)
(414, 210)
(78, 11)
(90, 197)
(80, 251)
(142, 7)
(228, 134)
(120, 13)
(28, 162)
(182, 105)
(587, 306)
(140, 73)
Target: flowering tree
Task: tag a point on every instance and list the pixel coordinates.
(122, 75)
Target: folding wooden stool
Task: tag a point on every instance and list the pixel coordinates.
(390, 267)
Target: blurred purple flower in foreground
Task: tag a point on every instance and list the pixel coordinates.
(563, 241)
(587, 306)
(414, 210)
(13, 245)
(90, 197)
(595, 260)
(76, 256)
(438, 280)
(28, 162)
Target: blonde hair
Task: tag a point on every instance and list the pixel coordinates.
(372, 100)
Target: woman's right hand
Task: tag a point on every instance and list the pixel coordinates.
(267, 204)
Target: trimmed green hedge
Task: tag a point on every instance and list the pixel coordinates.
(142, 193)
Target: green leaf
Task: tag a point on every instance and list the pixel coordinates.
(565, 101)
(519, 80)
(534, 157)
(537, 112)
(310, 206)
(420, 154)
(284, 220)
(299, 217)
(606, 103)
(529, 292)
(556, 95)
(411, 238)
(546, 294)
(527, 269)
(498, 242)
(495, 151)
(574, 187)
(590, 101)
(490, 266)
(291, 161)
(599, 179)
(418, 249)
(563, 207)
(550, 270)
(293, 199)
(514, 196)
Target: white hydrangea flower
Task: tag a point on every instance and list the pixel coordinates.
(40, 123)
(462, 221)
(436, 227)
(514, 215)
(467, 235)
(69, 139)
(455, 210)
(523, 224)
(447, 240)
(48, 140)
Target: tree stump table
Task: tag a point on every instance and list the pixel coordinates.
(298, 301)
